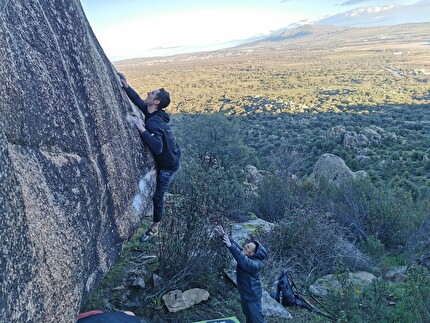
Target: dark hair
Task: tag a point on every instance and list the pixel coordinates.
(164, 97)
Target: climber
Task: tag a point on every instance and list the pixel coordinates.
(158, 137)
(249, 261)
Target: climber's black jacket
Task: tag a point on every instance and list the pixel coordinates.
(158, 137)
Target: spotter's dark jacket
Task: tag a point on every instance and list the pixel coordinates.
(248, 271)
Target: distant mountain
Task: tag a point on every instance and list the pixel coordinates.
(322, 36)
(379, 16)
(316, 37)
(365, 17)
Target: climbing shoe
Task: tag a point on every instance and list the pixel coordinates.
(149, 234)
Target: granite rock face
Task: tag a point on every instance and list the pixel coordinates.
(75, 178)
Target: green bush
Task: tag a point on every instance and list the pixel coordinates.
(344, 303)
(416, 298)
(188, 251)
(275, 198)
(311, 245)
(375, 302)
(214, 158)
(374, 248)
(388, 212)
(383, 301)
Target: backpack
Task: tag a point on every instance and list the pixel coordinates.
(285, 291)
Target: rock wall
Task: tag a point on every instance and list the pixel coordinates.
(75, 179)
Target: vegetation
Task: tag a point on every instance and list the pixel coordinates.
(279, 109)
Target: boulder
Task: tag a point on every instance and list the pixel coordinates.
(352, 140)
(177, 301)
(330, 283)
(243, 231)
(397, 274)
(390, 136)
(253, 176)
(362, 158)
(335, 133)
(373, 133)
(75, 179)
(332, 169)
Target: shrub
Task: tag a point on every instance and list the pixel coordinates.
(372, 305)
(310, 245)
(343, 303)
(214, 158)
(276, 196)
(386, 212)
(188, 250)
(410, 297)
(286, 161)
(374, 248)
(374, 302)
(418, 294)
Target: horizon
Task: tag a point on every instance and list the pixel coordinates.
(124, 30)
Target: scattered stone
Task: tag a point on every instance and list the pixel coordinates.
(231, 274)
(362, 157)
(156, 280)
(272, 308)
(176, 300)
(195, 295)
(138, 283)
(396, 274)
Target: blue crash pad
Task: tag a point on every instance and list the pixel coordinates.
(232, 319)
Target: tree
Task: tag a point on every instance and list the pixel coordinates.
(214, 160)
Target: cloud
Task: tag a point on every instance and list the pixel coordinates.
(351, 2)
(379, 16)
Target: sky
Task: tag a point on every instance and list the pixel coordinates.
(137, 28)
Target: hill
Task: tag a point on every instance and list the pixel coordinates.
(321, 36)
(312, 68)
